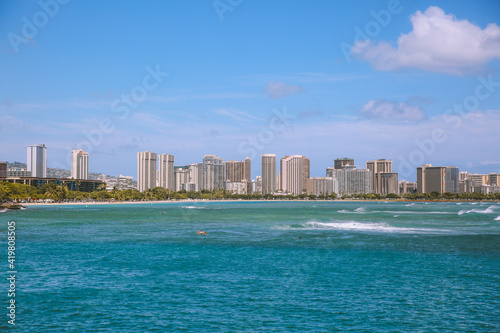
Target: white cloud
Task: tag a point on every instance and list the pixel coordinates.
(439, 42)
(276, 89)
(382, 109)
(237, 114)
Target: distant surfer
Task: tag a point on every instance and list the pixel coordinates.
(201, 232)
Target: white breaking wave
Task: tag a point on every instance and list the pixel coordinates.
(410, 204)
(488, 210)
(359, 210)
(3, 210)
(497, 218)
(361, 226)
(193, 207)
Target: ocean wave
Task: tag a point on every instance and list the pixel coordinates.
(3, 210)
(497, 218)
(488, 210)
(410, 204)
(362, 226)
(359, 210)
(193, 207)
(412, 212)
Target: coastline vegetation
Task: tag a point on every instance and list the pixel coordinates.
(56, 193)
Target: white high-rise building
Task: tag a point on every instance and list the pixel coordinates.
(213, 173)
(269, 172)
(166, 171)
(37, 160)
(292, 174)
(349, 181)
(146, 170)
(79, 164)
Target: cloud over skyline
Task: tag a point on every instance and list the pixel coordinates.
(439, 42)
(382, 109)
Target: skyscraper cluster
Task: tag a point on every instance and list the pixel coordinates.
(211, 174)
(291, 176)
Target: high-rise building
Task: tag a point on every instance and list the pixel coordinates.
(238, 171)
(341, 163)
(166, 171)
(79, 164)
(146, 170)
(3, 170)
(182, 177)
(349, 180)
(213, 173)
(430, 179)
(306, 171)
(440, 179)
(495, 179)
(37, 160)
(248, 169)
(292, 174)
(319, 185)
(451, 179)
(376, 167)
(269, 172)
(388, 182)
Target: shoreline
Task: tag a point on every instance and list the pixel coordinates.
(93, 203)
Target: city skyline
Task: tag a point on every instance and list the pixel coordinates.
(361, 80)
(164, 169)
(294, 178)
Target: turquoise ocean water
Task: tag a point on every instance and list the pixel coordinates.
(264, 266)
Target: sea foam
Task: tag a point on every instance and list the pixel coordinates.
(362, 226)
(488, 210)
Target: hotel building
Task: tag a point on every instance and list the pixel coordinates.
(37, 160)
(269, 171)
(79, 164)
(146, 170)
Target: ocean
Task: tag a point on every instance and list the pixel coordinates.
(262, 267)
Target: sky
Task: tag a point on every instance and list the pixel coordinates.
(412, 81)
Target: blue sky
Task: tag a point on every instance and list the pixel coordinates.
(417, 81)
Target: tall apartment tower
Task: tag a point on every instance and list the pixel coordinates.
(292, 174)
(377, 167)
(3, 170)
(37, 160)
(79, 164)
(239, 171)
(213, 173)
(146, 170)
(341, 163)
(166, 171)
(441, 179)
(306, 171)
(248, 170)
(430, 179)
(269, 171)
